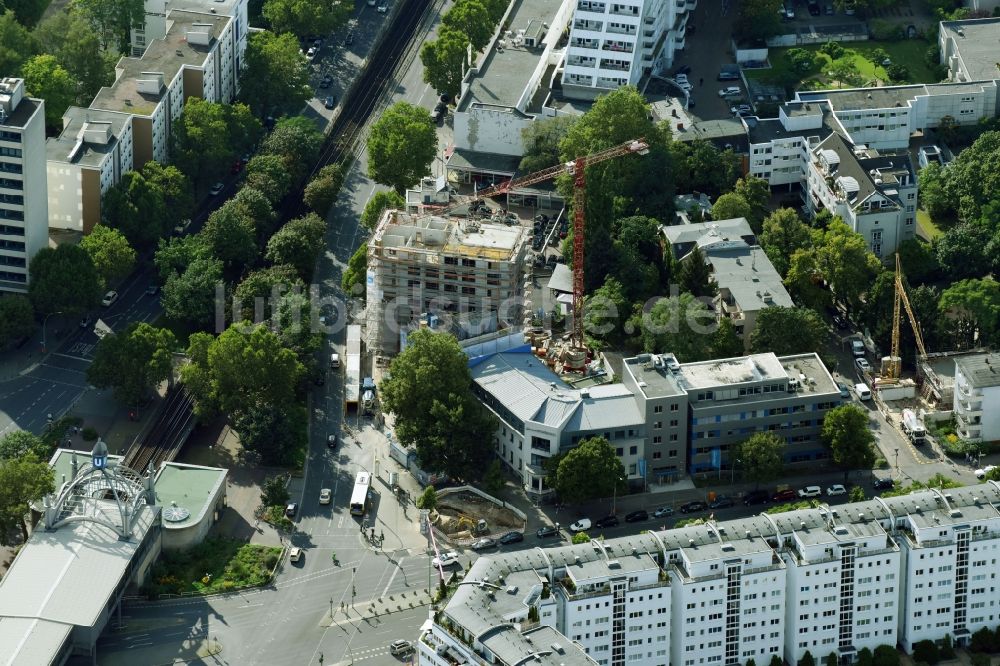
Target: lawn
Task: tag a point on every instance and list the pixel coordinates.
(909, 53)
(215, 565)
(924, 222)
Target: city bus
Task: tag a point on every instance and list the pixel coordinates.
(359, 498)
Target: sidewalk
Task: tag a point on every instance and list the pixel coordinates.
(372, 610)
(99, 410)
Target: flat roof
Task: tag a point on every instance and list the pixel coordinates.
(858, 99)
(61, 463)
(726, 371)
(706, 233)
(166, 56)
(983, 370)
(561, 279)
(22, 113)
(749, 277)
(653, 382)
(190, 487)
(61, 148)
(504, 74)
(976, 45)
(29, 640)
(471, 160)
(810, 365)
(435, 235)
(766, 130)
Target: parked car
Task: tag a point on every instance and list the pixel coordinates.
(294, 555)
(331, 441)
(828, 9)
(814, 9)
(383, 9)
(756, 497)
(546, 531)
(484, 543)
(109, 299)
(325, 495)
(731, 90)
(810, 491)
(637, 516)
(326, 81)
(836, 489)
(349, 39)
(681, 77)
(330, 102)
(291, 509)
(663, 511)
(721, 503)
(581, 525)
(446, 559)
(845, 393)
(216, 189)
(692, 507)
(783, 495)
(511, 537)
(884, 484)
(840, 322)
(153, 289)
(85, 321)
(863, 364)
(742, 108)
(981, 473)
(607, 521)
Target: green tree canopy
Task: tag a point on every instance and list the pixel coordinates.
(274, 492)
(933, 194)
(19, 443)
(429, 391)
(757, 193)
(757, 20)
(846, 433)
(109, 251)
(541, 139)
(296, 140)
(306, 18)
(112, 20)
(760, 458)
(973, 305)
(782, 235)
(444, 60)
(353, 279)
(189, 296)
(133, 362)
(16, 44)
(378, 204)
(255, 206)
(272, 435)
(401, 146)
(231, 236)
(17, 318)
(176, 191)
(22, 481)
(136, 206)
(918, 260)
(845, 262)
(695, 275)
(264, 287)
(174, 255)
(731, 205)
(275, 79)
(701, 166)
(961, 250)
(588, 471)
(63, 279)
(45, 78)
(322, 190)
(298, 243)
(679, 324)
(973, 178)
(69, 37)
(725, 341)
(788, 330)
(639, 263)
(268, 175)
(472, 19)
(209, 137)
(427, 499)
(604, 314)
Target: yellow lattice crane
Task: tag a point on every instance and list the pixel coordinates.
(891, 365)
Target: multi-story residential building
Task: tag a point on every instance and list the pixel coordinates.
(977, 397)
(155, 23)
(130, 122)
(875, 194)
(780, 147)
(24, 228)
(443, 266)
(613, 43)
(746, 279)
(665, 419)
(827, 580)
(968, 47)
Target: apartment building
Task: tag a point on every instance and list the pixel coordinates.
(827, 580)
(665, 419)
(977, 397)
(968, 47)
(23, 214)
(780, 147)
(442, 266)
(130, 122)
(613, 43)
(155, 22)
(875, 194)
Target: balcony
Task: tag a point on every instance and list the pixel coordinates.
(617, 48)
(584, 24)
(581, 43)
(622, 29)
(577, 61)
(624, 10)
(598, 7)
(614, 67)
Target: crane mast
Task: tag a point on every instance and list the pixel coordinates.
(893, 368)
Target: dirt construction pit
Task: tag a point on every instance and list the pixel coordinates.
(458, 513)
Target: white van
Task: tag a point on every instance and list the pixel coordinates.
(864, 393)
(334, 360)
(858, 348)
(295, 554)
(400, 646)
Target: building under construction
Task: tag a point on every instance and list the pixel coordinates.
(457, 268)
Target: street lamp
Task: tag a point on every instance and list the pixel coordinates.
(897, 462)
(45, 321)
(614, 496)
(732, 477)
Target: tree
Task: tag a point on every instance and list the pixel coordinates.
(886, 655)
(427, 499)
(261, 289)
(776, 661)
(731, 205)
(973, 306)
(174, 255)
(22, 481)
(703, 167)
(540, 139)
(757, 193)
(470, 18)
(272, 434)
(845, 262)
(760, 458)
(189, 296)
(787, 330)
(580, 538)
(783, 232)
(45, 78)
(851, 442)
(16, 45)
(926, 651)
(275, 77)
(845, 71)
(176, 191)
(961, 251)
(322, 190)
(679, 324)
(493, 480)
(857, 494)
(831, 659)
(353, 280)
(604, 313)
(112, 19)
(918, 261)
(19, 443)
(137, 207)
(401, 146)
(695, 276)
(805, 279)
(69, 37)
(110, 253)
(725, 342)
(933, 194)
(298, 243)
(639, 264)
(17, 319)
(981, 641)
(209, 137)
(445, 60)
(133, 361)
(807, 659)
(801, 60)
(378, 204)
(63, 279)
(877, 57)
(974, 176)
(429, 391)
(255, 206)
(306, 18)
(298, 141)
(589, 471)
(864, 654)
(231, 236)
(274, 492)
(268, 175)
(757, 20)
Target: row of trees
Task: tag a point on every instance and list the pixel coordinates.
(468, 24)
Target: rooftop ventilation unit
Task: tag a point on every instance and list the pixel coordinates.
(614, 564)
(512, 589)
(728, 548)
(955, 513)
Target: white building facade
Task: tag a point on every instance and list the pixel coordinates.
(23, 210)
(977, 397)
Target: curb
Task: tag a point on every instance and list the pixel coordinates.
(379, 607)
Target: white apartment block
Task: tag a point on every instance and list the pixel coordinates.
(827, 580)
(462, 269)
(613, 43)
(129, 122)
(968, 48)
(977, 397)
(876, 195)
(23, 214)
(156, 24)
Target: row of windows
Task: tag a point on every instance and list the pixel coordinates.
(6, 135)
(10, 152)
(11, 184)
(11, 214)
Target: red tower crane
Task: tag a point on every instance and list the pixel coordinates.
(576, 168)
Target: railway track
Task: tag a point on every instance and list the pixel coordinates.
(163, 440)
